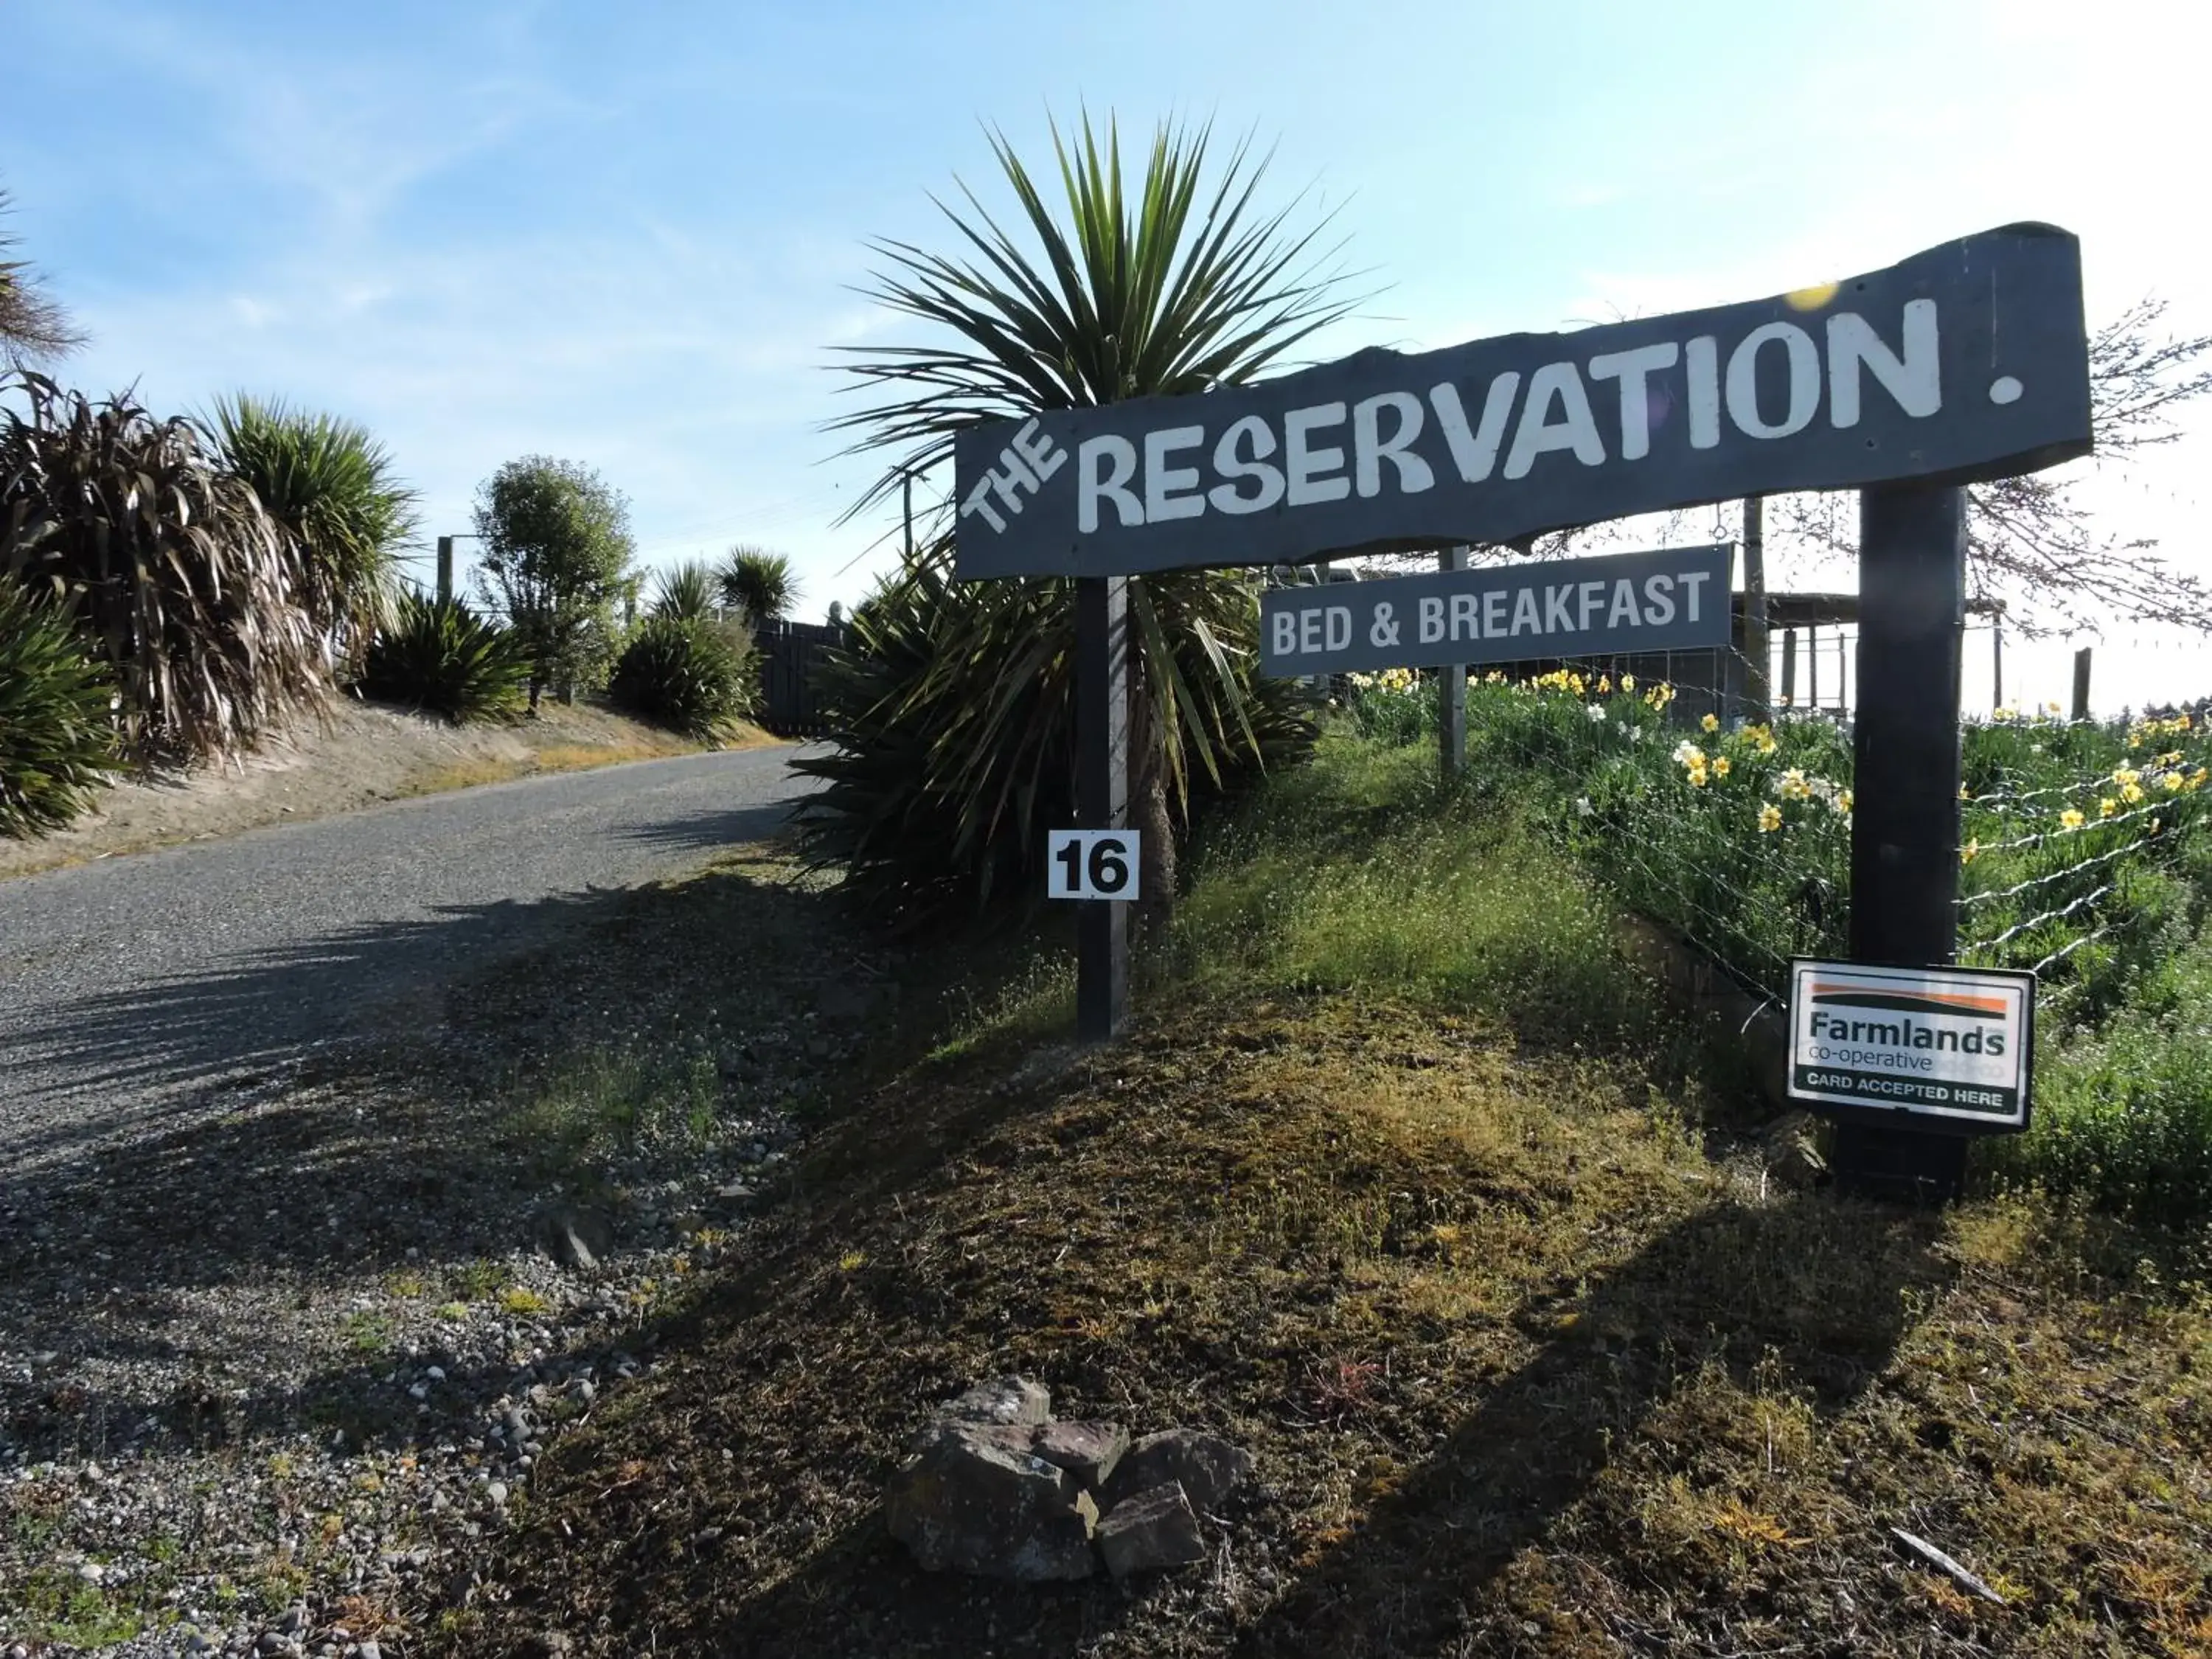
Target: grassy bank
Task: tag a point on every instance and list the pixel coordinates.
(1410, 1180)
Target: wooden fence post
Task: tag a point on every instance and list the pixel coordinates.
(1905, 819)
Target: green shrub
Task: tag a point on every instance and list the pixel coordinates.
(689, 592)
(179, 580)
(57, 740)
(440, 655)
(2123, 1116)
(331, 485)
(952, 709)
(692, 676)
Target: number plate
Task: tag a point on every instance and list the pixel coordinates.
(1090, 863)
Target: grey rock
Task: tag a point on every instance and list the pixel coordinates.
(271, 1642)
(572, 1235)
(1013, 1400)
(368, 1651)
(496, 1492)
(976, 1499)
(1210, 1468)
(289, 1622)
(1088, 1451)
(1149, 1530)
(17, 1650)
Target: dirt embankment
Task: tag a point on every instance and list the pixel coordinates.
(361, 755)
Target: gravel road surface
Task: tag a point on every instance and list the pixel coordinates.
(127, 986)
(278, 1338)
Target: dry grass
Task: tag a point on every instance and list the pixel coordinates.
(1528, 1370)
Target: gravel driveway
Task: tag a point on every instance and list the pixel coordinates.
(282, 1118)
(128, 984)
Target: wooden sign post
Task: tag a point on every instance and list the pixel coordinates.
(1102, 793)
(1905, 816)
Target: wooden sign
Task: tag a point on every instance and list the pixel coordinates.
(1627, 602)
(1967, 361)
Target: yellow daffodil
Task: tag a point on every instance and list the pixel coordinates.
(1844, 801)
(1604, 684)
(2172, 781)
(1720, 766)
(2071, 818)
(1769, 818)
(1970, 851)
(2131, 793)
(1628, 682)
(1711, 723)
(2107, 807)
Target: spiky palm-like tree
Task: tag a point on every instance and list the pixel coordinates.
(33, 329)
(689, 592)
(758, 582)
(178, 577)
(1173, 282)
(331, 484)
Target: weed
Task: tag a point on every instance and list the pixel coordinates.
(366, 1332)
(522, 1302)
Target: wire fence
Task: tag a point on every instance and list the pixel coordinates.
(2082, 843)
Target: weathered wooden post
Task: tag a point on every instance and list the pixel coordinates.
(2081, 684)
(1451, 690)
(1905, 820)
(444, 569)
(1102, 795)
(1789, 668)
(1758, 693)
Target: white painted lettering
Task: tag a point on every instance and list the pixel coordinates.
(1539, 434)
(1010, 478)
(1103, 467)
(1432, 619)
(1804, 381)
(1463, 616)
(1691, 580)
(1525, 618)
(1702, 355)
(1915, 380)
(1286, 633)
(979, 501)
(1630, 368)
(1558, 619)
(1624, 604)
(1493, 613)
(1305, 464)
(1659, 595)
(1369, 449)
(1226, 462)
(1339, 626)
(1308, 630)
(1475, 452)
(1163, 482)
(1036, 449)
(1593, 595)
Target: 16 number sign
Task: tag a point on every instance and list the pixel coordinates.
(1090, 863)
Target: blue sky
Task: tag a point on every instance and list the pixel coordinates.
(630, 235)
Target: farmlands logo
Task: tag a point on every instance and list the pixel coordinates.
(1972, 1024)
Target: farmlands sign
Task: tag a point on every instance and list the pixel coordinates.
(1966, 361)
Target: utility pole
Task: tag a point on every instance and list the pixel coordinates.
(2081, 684)
(446, 562)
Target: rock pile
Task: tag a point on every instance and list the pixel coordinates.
(996, 1485)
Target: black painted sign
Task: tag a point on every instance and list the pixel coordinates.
(1674, 601)
(1967, 361)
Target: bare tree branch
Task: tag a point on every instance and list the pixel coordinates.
(33, 329)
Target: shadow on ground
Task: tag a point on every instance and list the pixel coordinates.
(332, 1170)
(261, 1014)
